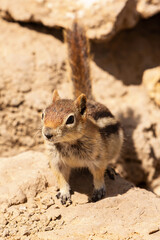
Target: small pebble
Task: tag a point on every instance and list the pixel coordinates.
(34, 205)
(3, 221)
(15, 213)
(24, 88)
(42, 211)
(13, 224)
(31, 213)
(24, 231)
(1, 229)
(18, 238)
(22, 209)
(48, 228)
(16, 102)
(3, 208)
(35, 218)
(13, 231)
(47, 201)
(46, 220)
(5, 233)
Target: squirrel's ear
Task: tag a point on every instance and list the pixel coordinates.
(81, 103)
(55, 96)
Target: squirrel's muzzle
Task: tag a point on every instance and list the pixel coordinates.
(48, 136)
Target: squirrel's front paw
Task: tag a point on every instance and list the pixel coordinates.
(98, 194)
(64, 197)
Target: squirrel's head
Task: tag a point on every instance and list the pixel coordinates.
(64, 120)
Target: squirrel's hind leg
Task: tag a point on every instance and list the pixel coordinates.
(99, 190)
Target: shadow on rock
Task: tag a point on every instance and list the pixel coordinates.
(81, 181)
(130, 52)
(131, 164)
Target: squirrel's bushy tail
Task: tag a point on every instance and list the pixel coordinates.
(79, 60)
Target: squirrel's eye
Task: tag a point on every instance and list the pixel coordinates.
(42, 115)
(70, 120)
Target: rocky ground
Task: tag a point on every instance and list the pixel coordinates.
(125, 52)
(29, 209)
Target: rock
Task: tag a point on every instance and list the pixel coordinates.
(27, 84)
(24, 182)
(48, 228)
(16, 213)
(102, 19)
(136, 209)
(45, 220)
(151, 80)
(24, 231)
(16, 102)
(35, 218)
(3, 221)
(32, 204)
(148, 8)
(140, 158)
(47, 201)
(138, 115)
(123, 205)
(22, 209)
(13, 232)
(24, 88)
(5, 233)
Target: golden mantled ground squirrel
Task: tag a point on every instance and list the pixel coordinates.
(82, 132)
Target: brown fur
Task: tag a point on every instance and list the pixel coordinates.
(78, 59)
(97, 110)
(56, 112)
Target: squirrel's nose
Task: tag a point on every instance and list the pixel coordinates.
(49, 136)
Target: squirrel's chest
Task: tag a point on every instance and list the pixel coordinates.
(76, 155)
